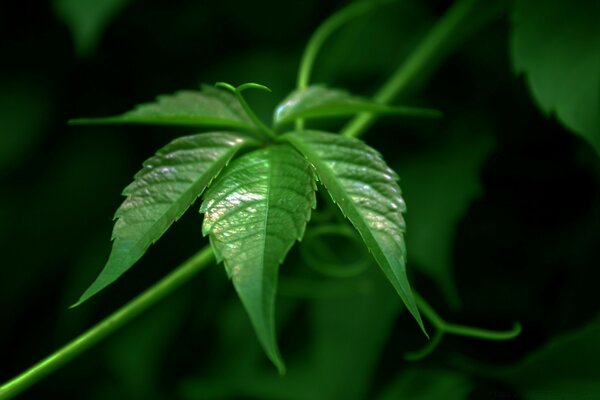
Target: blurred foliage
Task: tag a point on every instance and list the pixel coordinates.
(440, 184)
(556, 44)
(24, 110)
(504, 204)
(567, 367)
(428, 384)
(87, 20)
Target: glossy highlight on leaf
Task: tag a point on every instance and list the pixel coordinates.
(322, 102)
(367, 192)
(161, 192)
(210, 107)
(254, 213)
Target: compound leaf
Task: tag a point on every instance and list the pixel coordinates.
(320, 102)
(367, 192)
(556, 43)
(255, 212)
(162, 191)
(210, 107)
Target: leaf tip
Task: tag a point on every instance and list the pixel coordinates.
(423, 329)
(281, 370)
(79, 302)
(79, 121)
(417, 316)
(281, 367)
(75, 305)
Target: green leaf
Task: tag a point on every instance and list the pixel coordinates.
(161, 192)
(556, 43)
(211, 107)
(367, 192)
(87, 19)
(320, 102)
(255, 212)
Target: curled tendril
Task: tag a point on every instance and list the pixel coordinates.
(442, 327)
(317, 251)
(237, 91)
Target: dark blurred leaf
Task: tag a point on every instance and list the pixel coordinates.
(366, 190)
(238, 357)
(556, 43)
(78, 174)
(389, 33)
(211, 107)
(254, 213)
(566, 368)
(23, 113)
(421, 383)
(322, 102)
(87, 20)
(349, 335)
(256, 23)
(345, 341)
(137, 354)
(439, 186)
(161, 192)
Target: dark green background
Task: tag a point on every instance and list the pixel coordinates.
(506, 205)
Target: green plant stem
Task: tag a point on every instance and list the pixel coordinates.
(168, 284)
(316, 41)
(436, 44)
(325, 30)
(261, 125)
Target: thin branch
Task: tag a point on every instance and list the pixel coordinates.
(324, 31)
(430, 50)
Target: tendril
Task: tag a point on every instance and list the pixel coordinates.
(316, 250)
(237, 91)
(442, 327)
